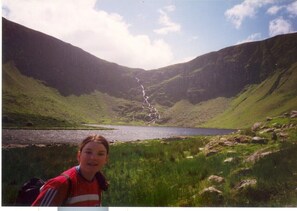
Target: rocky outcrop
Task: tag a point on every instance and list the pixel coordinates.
(256, 126)
(293, 114)
(245, 184)
(242, 178)
(210, 191)
(211, 196)
(242, 172)
(229, 160)
(259, 140)
(216, 179)
(276, 130)
(258, 155)
(217, 144)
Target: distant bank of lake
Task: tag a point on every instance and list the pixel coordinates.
(120, 133)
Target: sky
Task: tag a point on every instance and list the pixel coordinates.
(151, 34)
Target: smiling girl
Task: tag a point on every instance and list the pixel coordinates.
(81, 185)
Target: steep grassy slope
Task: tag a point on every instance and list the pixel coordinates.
(71, 70)
(274, 96)
(231, 88)
(223, 73)
(27, 101)
(186, 114)
(67, 68)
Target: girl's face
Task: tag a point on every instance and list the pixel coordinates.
(92, 158)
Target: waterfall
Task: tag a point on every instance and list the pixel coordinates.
(153, 114)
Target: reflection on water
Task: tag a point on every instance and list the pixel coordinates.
(121, 133)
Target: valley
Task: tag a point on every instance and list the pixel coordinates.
(55, 84)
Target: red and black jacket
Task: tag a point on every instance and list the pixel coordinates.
(72, 191)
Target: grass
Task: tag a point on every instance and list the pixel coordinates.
(31, 162)
(160, 172)
(255, 103)
(186, 114)
(26, 100)
(172, 172)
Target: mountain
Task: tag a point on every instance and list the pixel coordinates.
(272, 97)
(27, 101)
(224, 73)
(232, 87)
(62, 66)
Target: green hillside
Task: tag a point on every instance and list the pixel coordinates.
(186, 114)
(28, 102)
(274, 96)
(230, 88)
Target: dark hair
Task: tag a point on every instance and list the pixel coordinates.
(94, 138)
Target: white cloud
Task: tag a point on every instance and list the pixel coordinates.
(279, 26)
(105, 35)
(251, 38)
(274, 10)
(292, 9)
(170, 8)
(166, 24)
(247, 9)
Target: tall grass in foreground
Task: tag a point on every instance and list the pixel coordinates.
(21, 164)
(166, 173)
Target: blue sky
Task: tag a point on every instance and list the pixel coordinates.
(151, 34)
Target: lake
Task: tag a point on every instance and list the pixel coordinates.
(120, 133)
